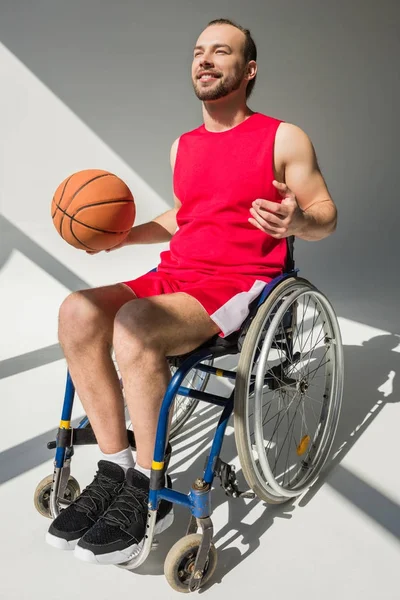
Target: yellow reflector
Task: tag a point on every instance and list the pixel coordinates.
(65, 424)
(219, 373)
(302, 447)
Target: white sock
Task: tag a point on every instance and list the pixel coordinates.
(124, 458)
(147, 472)
(143, 470)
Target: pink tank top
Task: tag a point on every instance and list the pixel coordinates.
(217, 176)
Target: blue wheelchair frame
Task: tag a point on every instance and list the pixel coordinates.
(198, 500)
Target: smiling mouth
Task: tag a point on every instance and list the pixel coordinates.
(207, 77)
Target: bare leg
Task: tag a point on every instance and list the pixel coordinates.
(86, 324)
(145, 332)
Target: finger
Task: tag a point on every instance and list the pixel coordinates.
(281, 187)
(273, 233)
(267, 217)
(269, 222)
(271, 207)
(254, 222)
(279, 183)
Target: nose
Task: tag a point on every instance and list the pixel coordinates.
(206, 61)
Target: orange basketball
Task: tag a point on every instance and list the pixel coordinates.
(93, 210)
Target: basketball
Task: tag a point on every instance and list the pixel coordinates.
(93, 210)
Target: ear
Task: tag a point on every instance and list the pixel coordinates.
(251, 69)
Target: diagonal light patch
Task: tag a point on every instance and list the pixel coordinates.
(20, 259)
(42, 142)
(379, 507)
(45, 137)
(30, 300)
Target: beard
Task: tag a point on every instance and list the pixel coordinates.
(222, 87)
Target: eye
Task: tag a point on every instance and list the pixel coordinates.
(221, 52)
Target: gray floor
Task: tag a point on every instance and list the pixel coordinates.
(342, 538)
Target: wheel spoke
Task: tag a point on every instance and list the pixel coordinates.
(280, 452)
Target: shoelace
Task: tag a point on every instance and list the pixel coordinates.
(131, 502)
(97, 494)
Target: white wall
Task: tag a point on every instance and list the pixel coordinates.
(123, 68)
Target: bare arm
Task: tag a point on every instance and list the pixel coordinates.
(303, 177)
(307, 210)
(162, 228)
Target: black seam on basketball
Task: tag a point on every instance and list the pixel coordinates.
(77, 192)
(73, 218)
(112, 201)
(77, 239)
(61, 197)
(82, 243)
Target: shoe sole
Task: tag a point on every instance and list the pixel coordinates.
(121, 556)
(60, 543)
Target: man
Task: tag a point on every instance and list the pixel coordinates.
(243, 183)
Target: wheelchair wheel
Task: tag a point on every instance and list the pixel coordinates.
(41, 496)
(180, 561)
(288, 391)
(184, 407)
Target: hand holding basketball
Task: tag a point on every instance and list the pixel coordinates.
(125, 242)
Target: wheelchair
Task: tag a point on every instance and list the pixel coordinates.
(286, 400)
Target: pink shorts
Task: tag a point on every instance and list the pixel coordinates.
(226, 298)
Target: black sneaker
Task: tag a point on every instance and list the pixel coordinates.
(75, 520)
(119, 534)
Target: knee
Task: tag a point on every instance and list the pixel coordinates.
(79, 320)
(135, 331)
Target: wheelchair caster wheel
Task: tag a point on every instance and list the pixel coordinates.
(180, 562)
(41, 496)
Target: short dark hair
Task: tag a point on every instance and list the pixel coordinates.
(249, 50)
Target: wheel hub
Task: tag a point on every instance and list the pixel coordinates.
(187, 567)
(303, 386)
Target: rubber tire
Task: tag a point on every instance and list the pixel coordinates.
(44, 486)
(179, 550)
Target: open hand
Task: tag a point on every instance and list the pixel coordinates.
(278, 220)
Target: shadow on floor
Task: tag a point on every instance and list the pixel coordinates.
(370, 386)
(13, 239)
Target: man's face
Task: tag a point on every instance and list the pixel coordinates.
(218, 66)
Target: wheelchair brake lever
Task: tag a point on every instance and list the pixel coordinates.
(229, 483)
